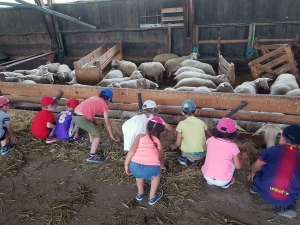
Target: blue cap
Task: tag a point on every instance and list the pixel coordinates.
(188, 106)
(107, 93)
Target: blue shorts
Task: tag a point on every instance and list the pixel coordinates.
(144, 171)
(3, 136)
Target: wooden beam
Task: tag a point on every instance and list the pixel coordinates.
(174, 18)
(173, 25)
(172, 10)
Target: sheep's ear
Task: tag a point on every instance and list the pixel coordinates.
(257, 80)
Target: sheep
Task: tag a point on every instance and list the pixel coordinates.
(52, 67)
(251, 87)
(135, 75)
(114, 74)
(270, 132)
(200, 65)
(28, 82)
(190, 74)
(152, 69)
(162, 58)
(72, 78)
(171, 63)
(295, 92)
(47, 79)
(12, 74)
(64, 73)
(283, 84)
(187, 68)
(138, 83)
(223, 87)
(195, 82)
(126, 67)
(14, 79)
(40, 71)
(24, 72)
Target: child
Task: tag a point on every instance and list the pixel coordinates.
(137, 124)
(84, 115)
(222, 156)
(145, 160)
(190, 135)
(43, 122)
(5, 128)
(278, 177)
(65, 128)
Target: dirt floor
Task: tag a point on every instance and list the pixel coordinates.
(51, 184)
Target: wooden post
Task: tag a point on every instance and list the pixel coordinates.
(218, 53)
(192, 18)
(169, 38)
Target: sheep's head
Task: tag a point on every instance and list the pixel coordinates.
(42, 70)
(223, 78)
(194, 56)
(115, 63)
(225, 87)
(270, 132)
(262, 83)
(136, 75)
(142, 83)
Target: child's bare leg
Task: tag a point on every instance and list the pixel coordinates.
(95, 144)
(4, 142)
(51, 133)
(140, 185)
(182, 154)
(154, 186)
(76, 133)
(91, 138)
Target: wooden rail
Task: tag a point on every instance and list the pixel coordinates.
(170, 102)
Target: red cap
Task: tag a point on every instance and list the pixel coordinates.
(226, 125)
(72, 103)
(47, 100)
(3, 101)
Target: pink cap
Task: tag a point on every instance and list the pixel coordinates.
(226, 125)
(157, 119)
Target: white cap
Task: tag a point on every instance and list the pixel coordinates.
(149, 104)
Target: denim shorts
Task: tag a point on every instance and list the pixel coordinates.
(3, 136)
(144, 171)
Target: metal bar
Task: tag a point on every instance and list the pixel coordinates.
(57, 14)
(13, 5)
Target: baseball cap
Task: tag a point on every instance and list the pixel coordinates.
(3, 101)
(107, 93)
(292, 133)
(47, 100)
(157, 119)
(72, 103)
(149, 104)
(188, 106)
(226, 125)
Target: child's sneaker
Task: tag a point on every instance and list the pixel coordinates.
(50, 140)
(140, 197)
(183, 160)
(287, 211)
(6, 149)
(230, 183)
(77, 139)
(253, 190)
(158, 196)
(95, 158)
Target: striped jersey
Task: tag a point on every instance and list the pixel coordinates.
(65, 127)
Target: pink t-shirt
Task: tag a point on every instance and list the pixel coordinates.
(219, 158)
(91, 107)
(146, 153)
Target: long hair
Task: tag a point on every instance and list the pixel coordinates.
(147, 112)
(218, 134)
(155, 129)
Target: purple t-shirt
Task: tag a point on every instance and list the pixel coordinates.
(65, 127)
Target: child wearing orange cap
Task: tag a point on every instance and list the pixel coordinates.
(5, 128)
(65, 128)
(43, 122)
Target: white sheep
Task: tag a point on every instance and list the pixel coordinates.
(126, 67)
(47, 79)
(251, 87)
(135, 75)
(190, 74)
(114, 74)
(224, 87)
(162, 58)
(12, 74)
(270, 133)
(24, 72)
(14, 79)
(200, 65)
(71, 78)
(195, 82)
(52, 67)
(187, 68)
(283, 84)
(295, 92)
(141, 83)
(153, 70)
(40, 71)
(64, 73)
(28, 82)
(171, 63)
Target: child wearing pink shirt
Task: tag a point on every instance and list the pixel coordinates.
(223, 156)
(145, 160)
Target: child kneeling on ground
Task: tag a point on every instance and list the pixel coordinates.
(276, 173)
(223, 156)
(65, 128)
(191, 135)
(145, 159)
(43, 123)
(5, 128)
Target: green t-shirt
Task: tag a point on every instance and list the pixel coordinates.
(193, 135)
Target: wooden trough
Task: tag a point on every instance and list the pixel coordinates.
(89, 68)
(125, 100)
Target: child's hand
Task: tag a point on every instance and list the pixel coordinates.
(163, 167)
(14, 138)
(250, 176)
(127, 170)
(173, 146)
(115, 138)
(244, 155)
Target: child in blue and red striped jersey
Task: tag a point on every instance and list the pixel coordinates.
(278, 179)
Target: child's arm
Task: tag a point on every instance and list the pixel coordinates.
(255, 168)
(169, 127)
(131, 153)
(50, 125)
(208, 133)
(177, 142)
(239, 159)
(108, 126)
(12, 134)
